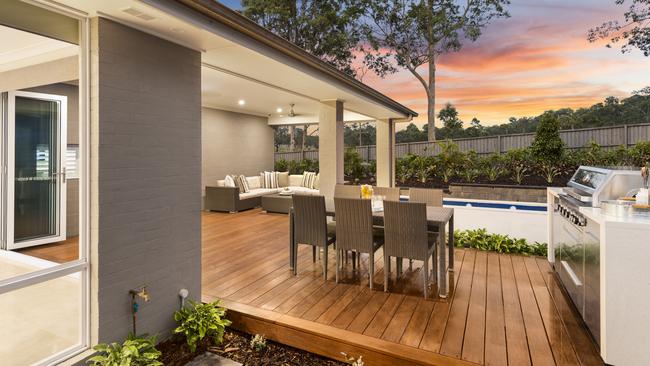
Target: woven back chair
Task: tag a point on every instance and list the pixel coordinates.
(431, 197)
(310, 225)
(345, 191)
(354, 231)
(406, 236)
(390, 193)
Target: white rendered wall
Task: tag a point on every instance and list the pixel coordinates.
(529, 225)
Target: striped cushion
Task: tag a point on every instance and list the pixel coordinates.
(308, 180)
(269, 179)
(242, 184)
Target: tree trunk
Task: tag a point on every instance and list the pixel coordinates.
(431, 96)
(292, 137)
(304, 138)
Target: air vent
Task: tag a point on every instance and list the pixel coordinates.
(138, 13)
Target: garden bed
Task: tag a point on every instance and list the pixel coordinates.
(236, 346)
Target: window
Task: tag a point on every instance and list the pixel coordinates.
(72, 162)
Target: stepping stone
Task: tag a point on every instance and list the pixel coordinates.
(211, 359)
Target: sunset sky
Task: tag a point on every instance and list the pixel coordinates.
(538, 59)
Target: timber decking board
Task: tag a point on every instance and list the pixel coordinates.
(503, 310)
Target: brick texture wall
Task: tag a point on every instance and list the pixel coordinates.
(147, 136)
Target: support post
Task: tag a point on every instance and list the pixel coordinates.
(330, 142)
(385, 151)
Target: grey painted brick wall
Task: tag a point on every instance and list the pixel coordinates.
(149, 176)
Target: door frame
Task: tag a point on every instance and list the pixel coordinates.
(61, 185)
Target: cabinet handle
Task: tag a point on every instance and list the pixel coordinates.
(572, 274)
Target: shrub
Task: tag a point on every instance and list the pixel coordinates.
(481, 240)
(281, 166)
(469, 169)
(423, 167)
(449, 160)
(547, 147)
(198, 321)
(518, 162)
(308, 165)
(135, 351)
(353, 164)
(404, 168)
(492, 167)
(258, 342)
(640, 154)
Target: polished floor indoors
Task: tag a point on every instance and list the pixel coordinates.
(504, 310)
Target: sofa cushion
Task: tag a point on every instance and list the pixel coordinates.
(295, 180)
(229, 181)
(242, 184)
(304, 190)
(259, 192)
(221, 183)
(283, 179)
(253, 182)
(317, 182)
(269, 179)
(308, 179)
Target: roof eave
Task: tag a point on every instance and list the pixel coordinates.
(241, 24)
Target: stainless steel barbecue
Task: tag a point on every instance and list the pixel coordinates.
(576, 238)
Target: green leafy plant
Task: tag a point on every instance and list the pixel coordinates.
(424, 166)
(281, 166)
(549, 172)
(404, 168)
(480, 239)
(492, 167)
(547, 147)
(258, 342)
(353, 361)
(518, 161)
(134, 351)
(198, 321)
(353, 165)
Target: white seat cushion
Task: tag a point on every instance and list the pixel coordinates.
(254, 182)
(295, 180)
(258, 192)
(303, 190)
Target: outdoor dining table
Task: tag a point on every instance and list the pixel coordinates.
(437, 219)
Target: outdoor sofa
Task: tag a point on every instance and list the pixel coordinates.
(229, 199)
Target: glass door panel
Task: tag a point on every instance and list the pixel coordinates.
(36, 173)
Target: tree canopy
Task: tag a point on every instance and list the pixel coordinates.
(328, 29)
(633, 32)
(409, 34)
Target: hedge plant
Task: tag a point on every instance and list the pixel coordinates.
(134, 351)
(482, 240)
(199, 320)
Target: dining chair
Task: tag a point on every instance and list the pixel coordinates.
(406, 236)
(347, 191)
(311, 227)
(390, 193)
(354, 231)
(432, 197)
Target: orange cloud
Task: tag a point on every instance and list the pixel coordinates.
(537, 60)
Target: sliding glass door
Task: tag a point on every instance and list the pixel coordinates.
(35, 180)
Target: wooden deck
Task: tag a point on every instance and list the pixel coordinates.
(504, 310)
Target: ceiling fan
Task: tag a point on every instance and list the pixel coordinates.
(292, 113)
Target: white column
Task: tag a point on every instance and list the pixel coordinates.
(385, 153)
(330, 146)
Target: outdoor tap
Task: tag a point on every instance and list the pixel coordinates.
(141, 293)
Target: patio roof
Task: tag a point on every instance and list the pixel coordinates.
(242, 60)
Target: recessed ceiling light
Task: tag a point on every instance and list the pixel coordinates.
(282, 115)
(241, 102)
(279, 110)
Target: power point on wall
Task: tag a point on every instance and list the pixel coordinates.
(183, 294)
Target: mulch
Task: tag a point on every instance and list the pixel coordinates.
(236, 346)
